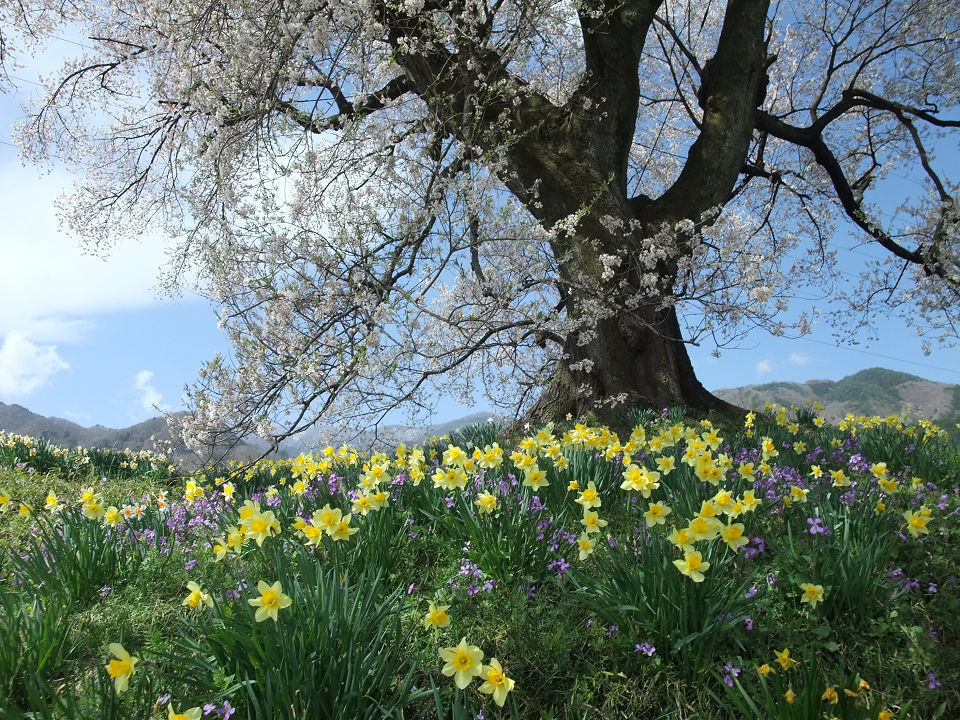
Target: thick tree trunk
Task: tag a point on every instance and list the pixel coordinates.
(630, 363)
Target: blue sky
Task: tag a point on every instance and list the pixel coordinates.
(89, 340)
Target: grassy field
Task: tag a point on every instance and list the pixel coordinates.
(666, 568)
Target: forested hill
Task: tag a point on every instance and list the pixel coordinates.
(19, 420)
(875, 391)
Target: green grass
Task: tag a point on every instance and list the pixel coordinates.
(618, 633)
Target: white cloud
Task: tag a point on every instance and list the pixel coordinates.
(763, 367)
(150, 397)
(799, 358)
(24, 367)
(49, 284)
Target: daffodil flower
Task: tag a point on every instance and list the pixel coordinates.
(194, 713)
(121, 668)
(271, 601)
(463, 662)
(197, 596)
(496, 683)
(692, 566)
(436, 616)
(812, 594)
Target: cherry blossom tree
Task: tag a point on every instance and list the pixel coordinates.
(548, 199)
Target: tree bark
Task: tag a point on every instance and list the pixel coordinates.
(634, 362)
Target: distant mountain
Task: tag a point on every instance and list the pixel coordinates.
(20, 421)
(386, 437)
(142, 436)
(874, 391)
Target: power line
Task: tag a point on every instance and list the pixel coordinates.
(73, 42)
(21, 79)
(881, 355)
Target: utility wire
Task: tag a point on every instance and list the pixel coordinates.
(952, 371)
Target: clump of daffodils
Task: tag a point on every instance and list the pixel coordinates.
(465, 662)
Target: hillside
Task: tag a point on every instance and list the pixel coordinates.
(874, 391)
(387, 436)
(141, 436)
(21, 421)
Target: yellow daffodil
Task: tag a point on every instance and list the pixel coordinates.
(586, 545)
(535, 478)
(313, 535)
(261, 526)
(496, 683)
(840, 479)
(916, 522)
(492, 457)
(486, 502)
(271, 600)
(112, 517)
(197, 596)
(463, 662)
(830, 695)
(812, 594)
(701, 528)
(656, 513)
(88, 494)
(220, 548)
(665, 464)
(733, 536)
(363, 504)
(453, 455)
(93, 510)
(327, 519)
(692, 566)
(343, 530)
(589, 497)
(194, 713)
(592, 522)
(682, 538)
(121, 668)
(436, 616)
(784, 660)
(749, 501)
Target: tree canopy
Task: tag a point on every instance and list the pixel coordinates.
(545, 198)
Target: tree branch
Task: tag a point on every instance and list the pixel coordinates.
(731, 85)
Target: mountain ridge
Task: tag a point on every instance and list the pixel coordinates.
(18, 420)
(873, 391)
